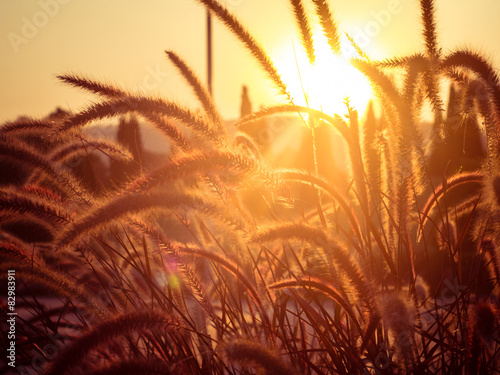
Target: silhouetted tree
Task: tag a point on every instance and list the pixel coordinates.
(246, 105)
(129, 136)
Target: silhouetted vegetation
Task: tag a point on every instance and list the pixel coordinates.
(215, 262)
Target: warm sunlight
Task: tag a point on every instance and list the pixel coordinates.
(326, 83)
(184, 216)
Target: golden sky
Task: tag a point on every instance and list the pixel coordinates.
(123, 41)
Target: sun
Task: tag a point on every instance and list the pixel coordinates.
(326, 84)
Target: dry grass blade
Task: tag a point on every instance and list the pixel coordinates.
(200, 91)
(17, 201)
(13, 249)
(431, 76)
(445, 187)
(169, 129)
(321, 285)
(28, 155)
(44, 193)
(362, 286)
(357, 48)
(247, 351)
(479, 65)
(101, 334)
(257, 51)
(26, 126)
(397, 61)
(427, 8)
(328, 24)
(82, 147)
(381, 81)
(119, 207)
(106, 90)
(112, 92)
(305, 29)
(433, 93)
(195, 164)
(419, 65)
(493, 258)
(227, 264)
(306, 178)
(190, 276)
(336, 122)
(144, 106)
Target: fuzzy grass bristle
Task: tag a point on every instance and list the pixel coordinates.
(305, 29)
(248, 351)
(328, 24)
(255, 49)
(483, 322)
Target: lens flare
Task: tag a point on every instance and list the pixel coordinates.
(328, 82)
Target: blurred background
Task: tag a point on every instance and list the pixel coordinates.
(124, 41)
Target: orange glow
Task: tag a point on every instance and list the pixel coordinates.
(326, 83)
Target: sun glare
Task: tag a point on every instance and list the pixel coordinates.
(326, 84)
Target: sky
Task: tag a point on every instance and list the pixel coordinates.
(123, 42)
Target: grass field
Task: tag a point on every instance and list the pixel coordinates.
(216, 261)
